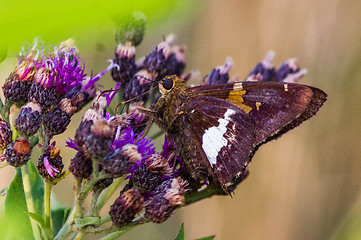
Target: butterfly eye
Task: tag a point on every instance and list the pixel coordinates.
(168, 83)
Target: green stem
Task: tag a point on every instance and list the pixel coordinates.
(29, 199)
(47, 211)
(93, 206)
(4, 111)
(109, 192)
(75, 212)
(80, 235)
(105, 219)
(119, 233)
(208, 192)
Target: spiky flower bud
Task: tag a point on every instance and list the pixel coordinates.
(118, 162)
(125, 58)
(56, 121)
(132, 30)
(5, 134)
(29, 119)
(18, 84)
(158, 60)
(140, 84)
(219, 75)
(50, 163)
(43, 89)
(289, 71)
(164, 199)
(150, 173)
(125, 207)
(100, 139)
(81, 166)
(18, 152)
(264, 71)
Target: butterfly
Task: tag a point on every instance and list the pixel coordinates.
(218, 128)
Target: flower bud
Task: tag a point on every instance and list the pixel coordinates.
(5, 134)
(219, 75)
(125, 58)
(125, 207)
(139, 85)
(100, 139)
(18, 84)
(132, 30)
(29, 119)
(81, 166)
(164, 199)
(264, 71)
(50, 163)
(18, 152)
(118, 162)
(150, 173)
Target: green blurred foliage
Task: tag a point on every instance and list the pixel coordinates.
(53, 20)
(15, 203)
(351, 227)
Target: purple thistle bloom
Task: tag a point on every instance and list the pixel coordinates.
(71, 144)
(168, 147)
(50, 163)
(112, 92)
(49, 168)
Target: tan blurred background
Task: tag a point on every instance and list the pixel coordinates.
(302, 186)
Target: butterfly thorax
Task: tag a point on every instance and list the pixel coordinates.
(170, 107)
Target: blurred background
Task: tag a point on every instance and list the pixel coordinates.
(305, 185)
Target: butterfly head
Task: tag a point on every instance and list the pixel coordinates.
(169, 83)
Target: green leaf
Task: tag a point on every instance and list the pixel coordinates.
(37, 189)
(15, 202)
(40, 220)
(81, 222)
(15, 209)
(207, 238)
(59, 213)
(180, 235)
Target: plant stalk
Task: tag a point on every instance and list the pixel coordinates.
(29, 200)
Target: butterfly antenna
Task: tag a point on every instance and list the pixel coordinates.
(129, 100)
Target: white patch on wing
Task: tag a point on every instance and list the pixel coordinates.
(213, 139)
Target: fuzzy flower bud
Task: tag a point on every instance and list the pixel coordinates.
(18, 84)
(219, 75)
(132, 30)
(17, 153)
(118, 162)
(264, 71)
(289, 71)
(100, 139)
(29, 119)
(139, 85)
(125, 59)
(81, 166)
(50, 163)
(125, 207)
(5, 134)
(164, 59)
(150, 173)
(164, 199)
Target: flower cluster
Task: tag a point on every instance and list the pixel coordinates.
(49, 87)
